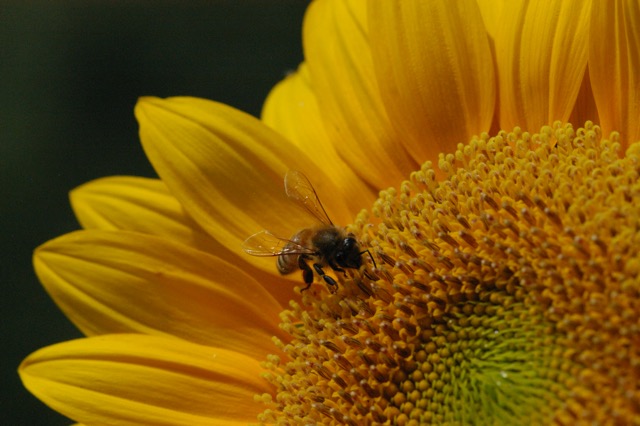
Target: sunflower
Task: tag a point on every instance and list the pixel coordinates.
(503, 283)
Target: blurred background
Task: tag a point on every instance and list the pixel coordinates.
(70, 74)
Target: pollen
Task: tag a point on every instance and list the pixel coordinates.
(506, 293)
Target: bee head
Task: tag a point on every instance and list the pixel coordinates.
(348, 253)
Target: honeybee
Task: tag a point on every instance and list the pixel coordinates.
(322, 245)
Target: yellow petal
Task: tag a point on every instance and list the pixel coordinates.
(226, 168)
(435, 72)
(342, 77)
(136, 204)
(145, 380)
(585, 107)
(614, 66)
(491, 11)
(112, 282)
(541, 54)
(291, 108)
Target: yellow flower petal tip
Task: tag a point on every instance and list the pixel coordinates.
(130, 379)
(506, 294)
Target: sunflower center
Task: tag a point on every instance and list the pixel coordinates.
(505, 294)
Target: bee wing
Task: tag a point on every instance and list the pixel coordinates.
(265, 243)
(298, 188)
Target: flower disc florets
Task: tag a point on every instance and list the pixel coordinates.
(507, 293)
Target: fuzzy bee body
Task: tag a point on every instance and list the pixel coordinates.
(321, 246)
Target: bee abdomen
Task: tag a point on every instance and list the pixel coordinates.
(287, 263)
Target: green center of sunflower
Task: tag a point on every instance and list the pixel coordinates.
(505, 294)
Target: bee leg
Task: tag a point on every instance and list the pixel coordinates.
(307, 272)
(330, 281)
(336, 268)
(339, 269)
(368, 275)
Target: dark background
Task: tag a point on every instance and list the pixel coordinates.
(70, 74)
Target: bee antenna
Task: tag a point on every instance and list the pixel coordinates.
(372, 259)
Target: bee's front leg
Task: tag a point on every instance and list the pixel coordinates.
(337, 268)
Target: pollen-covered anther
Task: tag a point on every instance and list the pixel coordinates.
(346, 396)
(404, 309)
(350, 341)
(379, 376)
(343, 362)
(331, 346)
(366, 358)
(377, 415)
(347, 326)
(339, 380)
(368, 389)
(383, 294)
(448, 239)
(356, 375)
(402, 350)
(387, 360)
(389, 330)
(406, 326)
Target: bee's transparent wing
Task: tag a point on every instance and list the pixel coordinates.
(265, 243)
(299, 189)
